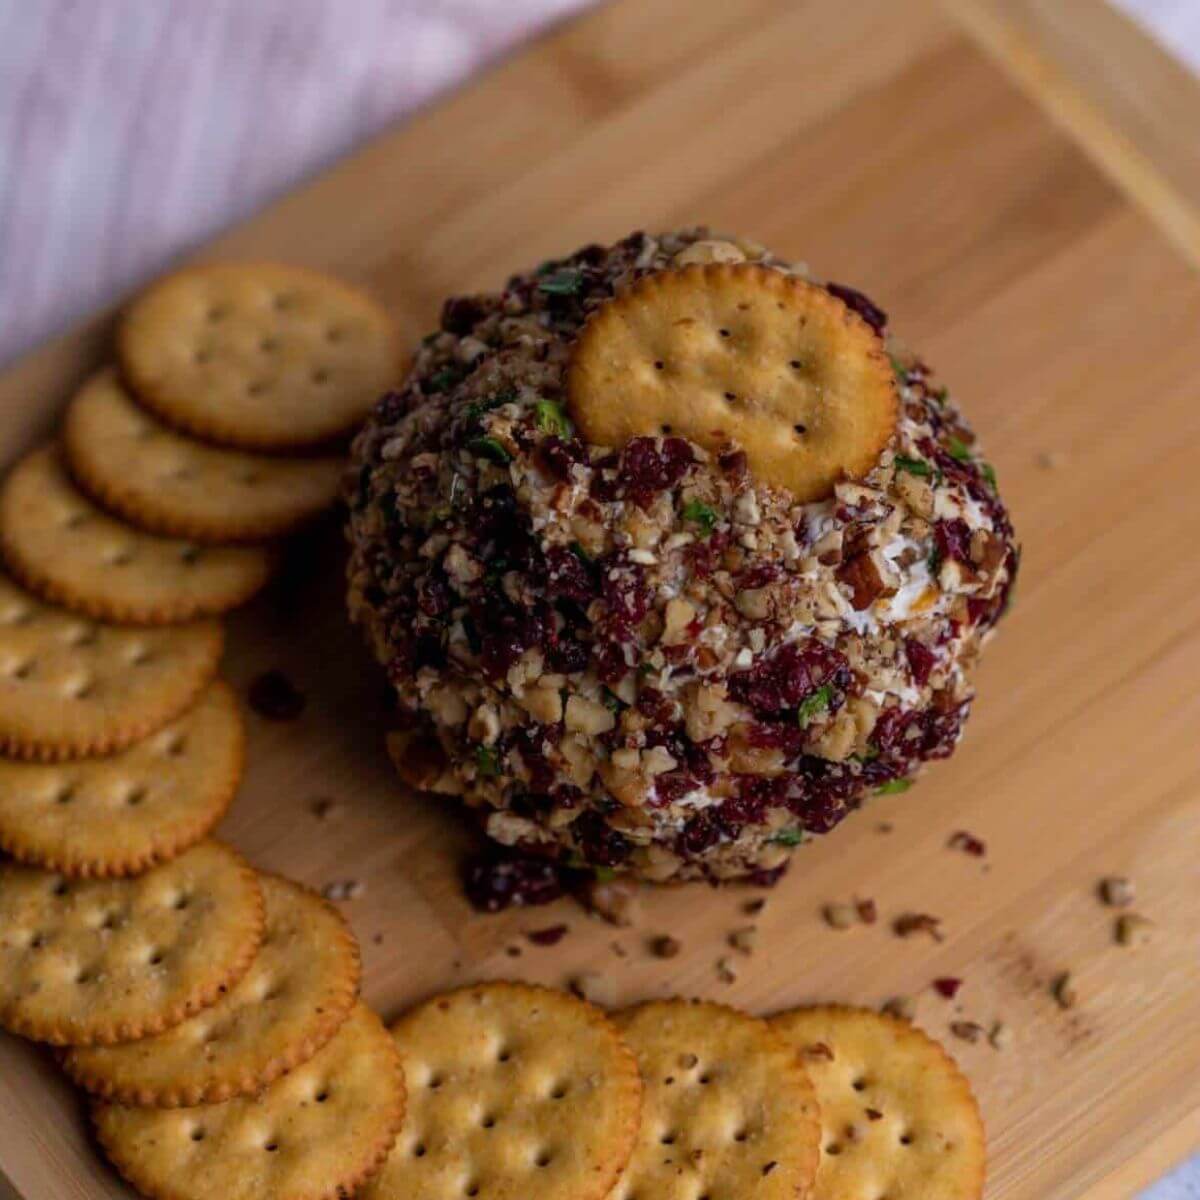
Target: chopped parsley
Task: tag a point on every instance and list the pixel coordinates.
(476, 409)
(566, 282)
(935, 562)
(989, 474)
(914, 466)
(787, 837)
(893, 786)
(959, 449)
(604, 874)
(644, 671)
(701, 514)
(580, 553)
(487, 761)
(444, 378)
(900, 369)
(551, 418)
(814, 704)
(613, 702)
(489, 447)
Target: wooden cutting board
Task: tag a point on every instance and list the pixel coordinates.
(875, 140)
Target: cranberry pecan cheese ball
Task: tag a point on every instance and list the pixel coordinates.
(673, 555)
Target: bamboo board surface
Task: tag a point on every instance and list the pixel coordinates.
(875, 140)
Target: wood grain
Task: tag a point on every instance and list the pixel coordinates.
(877, 141)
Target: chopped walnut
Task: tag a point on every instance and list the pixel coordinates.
(1064, 990)
(840, 916)
(1133, 930)
(616, 900)
(726, 969)
(862, 576)
(594, 988)
(968, 1031)
(1116, 891)
(867, 912)
(914, 923)
(588, 716)
(542, 704)
(744, 939)
(903, 1007)
(1000, 1036)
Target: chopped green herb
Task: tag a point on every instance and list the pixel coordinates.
(900, 369)
(487, 760)
(644, 670)
(989, 473)
(893, 786)
(613, 702)
(476, 409)
(941, 396)
(566, 282)
(576, 861)
(604, 874)
(488, 447)
(580, 553)
(959, 449)
(935, 562)
(701, 514)
(814, 704)
(444, 378)
(551, 418)
(914, 466)
(787, 837)
(544, 268)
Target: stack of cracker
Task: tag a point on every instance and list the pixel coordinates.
(204, 1006)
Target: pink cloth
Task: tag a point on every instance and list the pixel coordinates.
(132, 129)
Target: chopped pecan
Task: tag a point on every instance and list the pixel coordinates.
(913, 923)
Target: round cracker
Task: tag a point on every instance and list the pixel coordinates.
(738, 354)
(316, 1134)
(121, 815)
(898, 1117)
(728, 1109)
(516, 1092)
(70, 687)
(62, 546)
(258, 355)
(169, 484)
(100, 961)
(293, 999)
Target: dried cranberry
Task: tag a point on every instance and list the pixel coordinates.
(921, 660)
(600, 844)
(746, 808)
(559, 456)
(529, 741)
(759, 575)
(390, 407)
(947, 986)
(705, 556)
(767, 877)
(567, 656)
(854, 299)
(433, 594)
(782, 680)
(735, 464)
(649, 466)
(504, 878)
(699, 834)
(609, 661)
(954, 539)
(568, 576)
(460, 314)
(274, 696)
(657, 708)
(625, 593)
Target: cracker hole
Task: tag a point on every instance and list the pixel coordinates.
(155, 959)
(256, 387)
(435, 1081)
(82, 635)
(268, 345)
(666, 429)
(83, 976)
(333, 335)
(906, 1138)
(731, 396)
(197, 1135)
(723, 332)
(270, 1147)
(81, 689)
(135, 796)
(659, 364)
(36, 942)
(741, 1135)
(199, 358)
(488, 1121)
(322, 1096)
(138, 656)
(705, 1078)
(834, 1148)
(558, 1091)
(503, 1055)
(189, 555)
(22, 670)
(668, 1138)
(472, 1189)
(65, 794)
(800, 429)
(859, 1085)
(320, 376)
(59, 888)
(175, 745)
(796, 364)
(544, 1158)
(181, 902)
(282, 302)
(419, 1150)
(217, 312)
(119, 558)
(110, 921)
